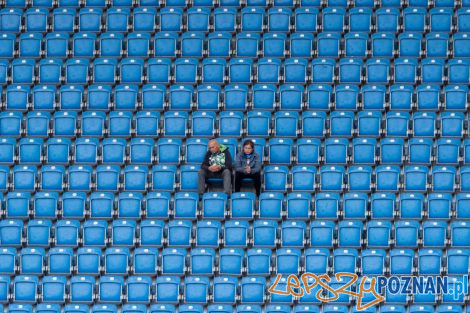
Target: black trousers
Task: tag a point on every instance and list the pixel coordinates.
(256, 179)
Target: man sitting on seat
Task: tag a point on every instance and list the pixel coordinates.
(217, 164)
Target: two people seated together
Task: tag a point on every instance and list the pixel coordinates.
(218, 163)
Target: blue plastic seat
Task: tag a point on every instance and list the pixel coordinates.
(11, 124)
(144, 19)
(401, 97)
(437, 45)
(22, 71)
(303, 178)
(336, 150)
(461, 45)
(252, 289)
(308, 151)
(117, 19)
(350, 234)
(439, 206)
(90, 19)
(102, 205)
(355, 44)
(196, 149)
(32, 261)
(359, 178)
(252, 19)
(355, 205)
(259, 261)
(328, 44)
(306, 19)
(44, 98)
(12, 232)
(213, 71)
(420, 150)
(292, 235)
(192, 44)
(454, 98)
(8, 258)
(53, 289)
(301, 43)
(323, 70)
(198, 19)
(322, 233)
(280, 150)
(415, 178)
(383, 205)
(24, 177)
(447, 151)
(463, 20)
(275, 178)
(39, 233)
(145, 261)
(236, 233)
(269, 70)
(188, 177)
(264, 233)
(350, 71)
(379, 234)
(11, 20)
(331, 178)
(443, 178)
(406, 233)
(364, 151)
(360, 19)
(333, 19)
(414, 19)
(224, 19)
(116, 261)
(171, 19)
(387, 19)
(434, 233)
(151, 235)
(25, 289)
(203, 123)
(456, 261)
(273, 44)
(99, 97)
(88, 261)
(428, 97)
(110, 289)
(165, 44)
(341, 123)
(369, 124)
(347, 97)
(202, 261)
(84, 43)
(326, 206)
(424, 124)
(68, 230)
(247, 44)
(63, 20)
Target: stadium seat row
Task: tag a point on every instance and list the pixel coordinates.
(225, 44)
(267, 233)
(233, 261)
(244, 71)
(236, 97)
(324, 205)
(241, 308)
(254, 19)
(285, 124)
(305, 151)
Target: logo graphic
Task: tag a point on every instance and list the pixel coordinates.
(371, 288)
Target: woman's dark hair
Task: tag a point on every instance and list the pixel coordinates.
(250, 143)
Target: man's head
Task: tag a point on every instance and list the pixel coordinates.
(214, 146)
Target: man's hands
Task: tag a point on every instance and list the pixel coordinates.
(215, 168)
(247, 169)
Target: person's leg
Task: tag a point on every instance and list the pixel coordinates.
(238, 181)
(227, 176)
(201, 181)
(257, 183)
